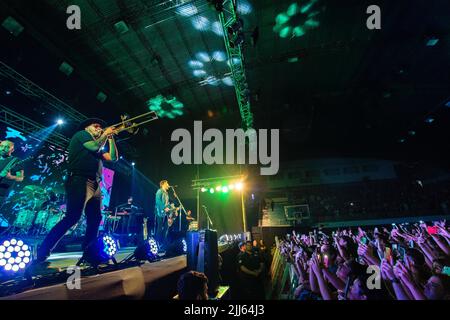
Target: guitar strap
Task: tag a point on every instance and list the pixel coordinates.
(11, 162)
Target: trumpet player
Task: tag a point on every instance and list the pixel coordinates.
(85, 162)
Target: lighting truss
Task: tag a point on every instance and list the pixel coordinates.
(213, 182)
(235, 57)
(29, 88)
(30, 127)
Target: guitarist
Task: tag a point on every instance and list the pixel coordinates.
(8, 178)
(162, 210)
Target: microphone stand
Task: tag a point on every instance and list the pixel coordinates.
(209, 219)
(181, 206)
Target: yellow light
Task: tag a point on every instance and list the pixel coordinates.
(203, 189)
(231, 186)
(239, 186)
(218, 188)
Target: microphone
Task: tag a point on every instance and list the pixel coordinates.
(175, 186)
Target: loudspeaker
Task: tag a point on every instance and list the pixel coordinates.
(203, 257)
(192, 238)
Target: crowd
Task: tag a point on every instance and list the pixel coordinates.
(399, 262)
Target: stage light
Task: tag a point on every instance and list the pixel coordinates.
(218, 188)
(14, 255)
(66, 68)
(148, 250)
(195, 64)
(211, 190)
(285, 32)
(201, 23)
(239, 186)
(176, 248)
(60, 122)
(431, 42)
(8, 92)
(12, 25)
(228, 81)
(133, 164)
(411, 132)
(219, 56)
(121, 157)
(203, 56)
(243, 7)
(216, 27)
(101, 250)
(199, 73)
(429, 120)
(231, 186)
(203, 190)
(187, 10)
(225, 189)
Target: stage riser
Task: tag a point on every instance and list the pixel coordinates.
(135, 283)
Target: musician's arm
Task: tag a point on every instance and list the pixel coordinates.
(17, 178)
(95, 145)
(112, 155)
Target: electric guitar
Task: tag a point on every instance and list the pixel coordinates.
(172, 214)
(11, 165)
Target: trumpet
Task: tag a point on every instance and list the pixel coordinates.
(126, 123)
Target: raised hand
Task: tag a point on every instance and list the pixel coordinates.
(387, 270)
(402, 272)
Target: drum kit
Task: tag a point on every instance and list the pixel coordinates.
(37, 211)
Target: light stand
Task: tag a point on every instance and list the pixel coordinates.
(209, 219)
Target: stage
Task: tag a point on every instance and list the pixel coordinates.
(156, 280)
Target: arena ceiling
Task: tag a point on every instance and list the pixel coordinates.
(315, 71)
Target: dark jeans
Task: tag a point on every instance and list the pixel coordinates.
(83, 194)
(161, 230)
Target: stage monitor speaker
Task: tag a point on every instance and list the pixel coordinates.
(203, 256)
(192, 239)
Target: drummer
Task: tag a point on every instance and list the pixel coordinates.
(51, 200)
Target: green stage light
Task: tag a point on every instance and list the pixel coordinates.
(168, 107)
(296, 20)
(203, 189)
(211, 190)
(225, 189)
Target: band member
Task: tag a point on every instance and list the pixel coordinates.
(85, 163)
(8, 178)
(162, 207)
(186, 221)
(132, 224)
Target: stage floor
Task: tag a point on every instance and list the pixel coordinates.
(155, 280)
(65, 259)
